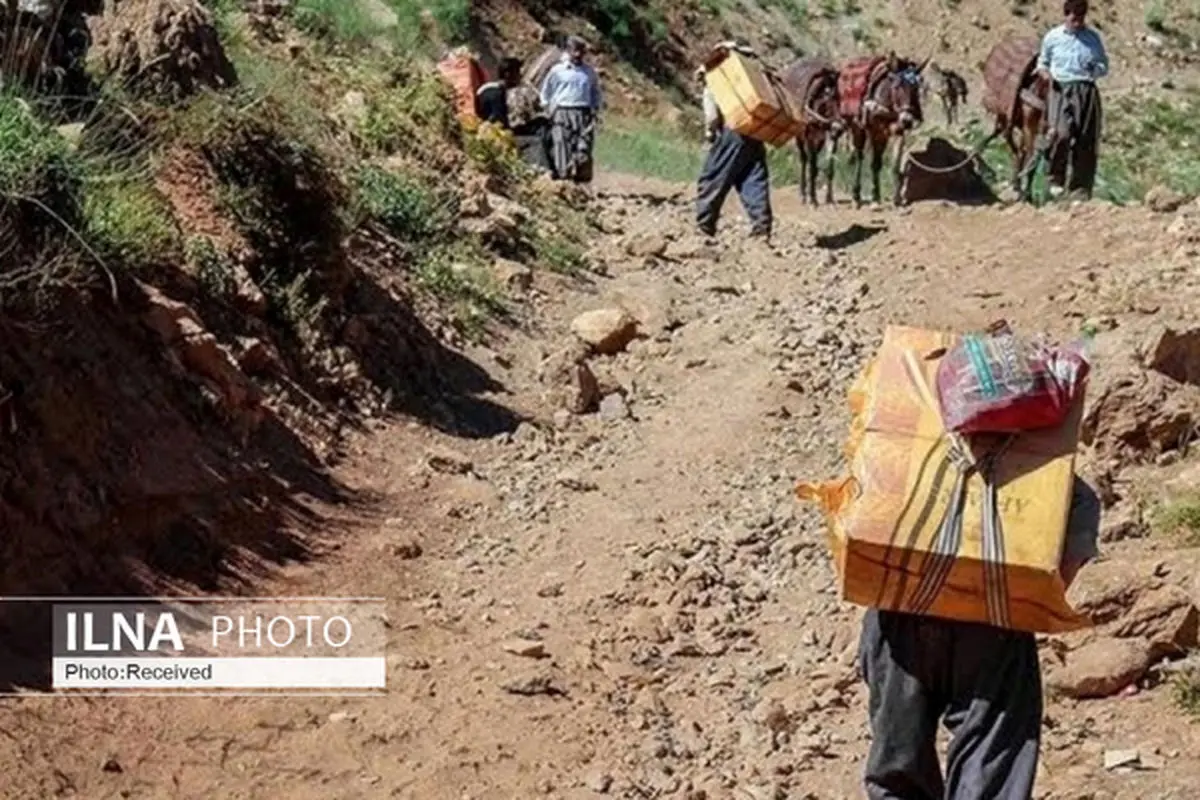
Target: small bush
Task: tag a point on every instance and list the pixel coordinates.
(455, 274)
(413, 114)
(211, 267)
(39, 204)
(407, 207)
(128, 221)
(1180, 517)
(627, 21)
(453, 18)
(34, 160)
(346, 22)
(1186, 690)
(1156, 16)
(294, 303)
(554, 250)
(493, 150)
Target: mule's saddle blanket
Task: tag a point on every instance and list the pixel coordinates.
(1006, 70)
(854, 82)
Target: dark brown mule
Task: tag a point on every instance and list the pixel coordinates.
(880, 98)
(1016, 96)
(812, 82)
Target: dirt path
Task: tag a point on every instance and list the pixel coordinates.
(695, 646)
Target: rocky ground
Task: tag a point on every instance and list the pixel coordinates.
(622, 597)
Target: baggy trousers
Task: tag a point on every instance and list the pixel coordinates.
(986, 684)
(735, 162)
(572, 141)
(1073, 119)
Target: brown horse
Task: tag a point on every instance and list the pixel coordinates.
(812, 82)
(880, 98)
(1015, 94)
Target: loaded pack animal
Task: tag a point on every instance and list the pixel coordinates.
(813, 84)
(1016, 96)
(879, 98)
(950, 87)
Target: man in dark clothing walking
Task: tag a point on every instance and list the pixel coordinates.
(734, 162)
(983, 682)
(1072, 58)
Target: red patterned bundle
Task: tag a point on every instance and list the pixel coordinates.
(1000, 383)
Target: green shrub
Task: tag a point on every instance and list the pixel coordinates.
(1156, 16)
(455, 274)
(1186, 690)
(493, 150)
(1180, 517)
(453, 18)
(346, 22)
(211, 267)
(128, 221)
(414, 114)
(406, 206)
(294, 303)
(628, 21)
(34, 160)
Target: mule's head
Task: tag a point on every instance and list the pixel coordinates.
(901, 89)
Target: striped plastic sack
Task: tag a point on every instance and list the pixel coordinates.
(998, 382)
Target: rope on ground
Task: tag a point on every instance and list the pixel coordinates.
(976, 153)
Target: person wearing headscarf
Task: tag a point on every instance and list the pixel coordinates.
(571, 94)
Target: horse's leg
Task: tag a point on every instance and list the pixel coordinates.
(832, 139)
(802, 150)
(1029, 144)
(1014, 146)
(814, 167)
(858, 140)
(879, 144)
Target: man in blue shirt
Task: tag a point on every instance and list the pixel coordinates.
(1072, 58)
(571, 94)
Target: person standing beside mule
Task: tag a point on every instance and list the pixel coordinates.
(1072, 59)
(571, 93)
(734, 161)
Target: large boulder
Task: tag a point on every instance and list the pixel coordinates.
(1174, 352)
(1135, 411)
(168, 49)
(1167, 618)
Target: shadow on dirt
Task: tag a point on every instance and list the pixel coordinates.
(855, 234)
(118, 478)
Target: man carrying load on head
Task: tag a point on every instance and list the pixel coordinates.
(984, 683)
(1072, 59)
(734, 162)
(571, 93)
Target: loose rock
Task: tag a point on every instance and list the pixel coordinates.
(1102, 668)
(607, 330)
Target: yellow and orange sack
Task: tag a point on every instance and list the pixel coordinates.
(884, 518)
(752, 99)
